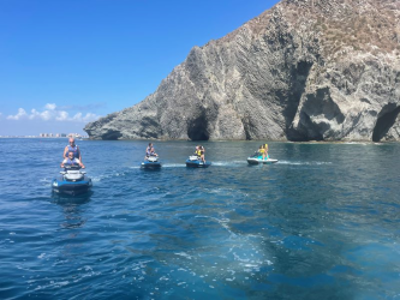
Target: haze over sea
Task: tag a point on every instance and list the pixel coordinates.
(322, 223)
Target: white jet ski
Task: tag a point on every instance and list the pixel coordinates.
(256, 159)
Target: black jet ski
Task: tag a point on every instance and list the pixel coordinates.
(195, 162)
(151, 163)
(72, 181)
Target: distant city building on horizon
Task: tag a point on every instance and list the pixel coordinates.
(60, 135)
(48, 135)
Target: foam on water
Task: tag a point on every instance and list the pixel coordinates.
(46, 182)
(234, 163)
(357, 143)
(105, 177)
(304, 163)
(171, 165)
(135, 167)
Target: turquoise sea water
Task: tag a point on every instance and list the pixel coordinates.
(322, 223)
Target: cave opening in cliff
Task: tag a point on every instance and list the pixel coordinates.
(112, 135)
(386, 119)
(197, 130)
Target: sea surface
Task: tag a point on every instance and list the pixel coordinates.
(322, 223)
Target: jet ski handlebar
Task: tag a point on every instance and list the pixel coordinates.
(74, 167)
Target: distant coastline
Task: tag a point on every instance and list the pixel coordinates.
(47, 136)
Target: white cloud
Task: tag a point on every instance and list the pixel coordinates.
(77, 117)
(46, 115)
(62, 116)
(51, 113)
(20, 115)
(85, 118)
(50, 106)
(89, 117)
(34, 114)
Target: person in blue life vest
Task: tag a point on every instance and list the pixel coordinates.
(71, 161)
(150, 151)
(72, 147)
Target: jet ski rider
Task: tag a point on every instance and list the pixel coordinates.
(72, 161)
(200, 153)
(150, 151)
(72, 147)
(265, 154)
(263, 151)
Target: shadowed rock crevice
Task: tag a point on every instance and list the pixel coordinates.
(319, 114)
(197, 129)
(386, 120)
(248, 126)
(151, 128)
(313, 131)
(323, 104)
(112, 135)
(299, 78)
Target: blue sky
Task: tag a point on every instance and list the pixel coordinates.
(64, 63)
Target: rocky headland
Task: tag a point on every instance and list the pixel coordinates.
(325, 70)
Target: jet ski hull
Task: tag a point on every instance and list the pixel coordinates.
(151, 165)
(258, 160)
(62, 186)
(197, 164)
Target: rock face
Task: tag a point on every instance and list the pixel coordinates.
(303, 70)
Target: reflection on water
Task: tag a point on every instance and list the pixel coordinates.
(73, 219)
(69, 199)
(71, 208)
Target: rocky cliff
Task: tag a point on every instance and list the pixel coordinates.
(303, 70)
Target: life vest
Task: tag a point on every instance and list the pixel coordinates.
(71, 162)
(74, 150)
(149, 151)
(261, 151)
(199, 153)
